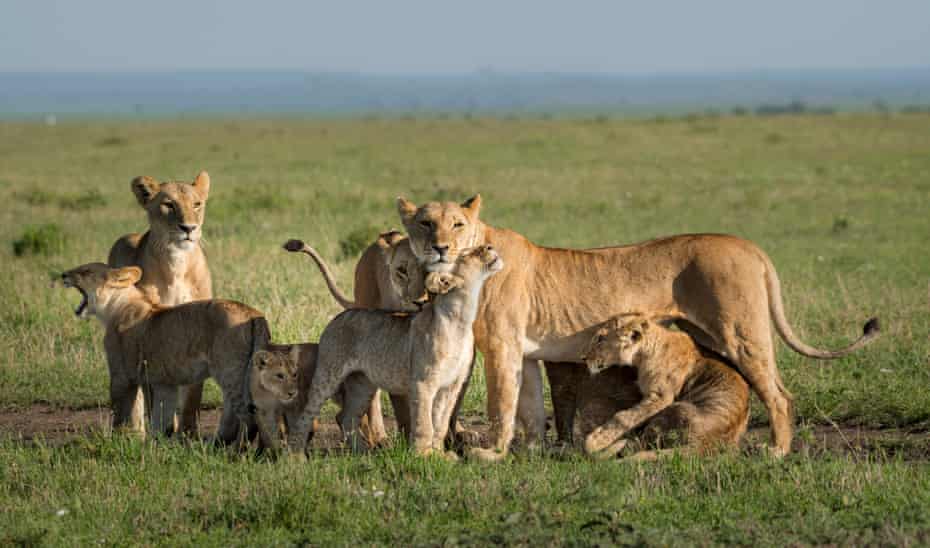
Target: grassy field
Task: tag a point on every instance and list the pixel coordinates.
(840, 203)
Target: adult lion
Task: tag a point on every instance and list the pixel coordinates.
(172, 260)
(547, 301)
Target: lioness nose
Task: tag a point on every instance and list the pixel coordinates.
(441, 249)
(187, 228)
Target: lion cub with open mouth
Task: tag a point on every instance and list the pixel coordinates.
(425, 356)
(685, 390)
(159, 348)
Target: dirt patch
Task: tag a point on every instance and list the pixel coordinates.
(56, 426)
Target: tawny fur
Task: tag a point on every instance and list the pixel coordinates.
(397, 282)
(542, 306)
(683, 389)
(158, 348)
(172, 261)
(425, 356)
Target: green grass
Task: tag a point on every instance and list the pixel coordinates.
(840, 203)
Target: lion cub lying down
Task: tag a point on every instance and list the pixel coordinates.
(163, 347)
(425, 356)
(685, 389)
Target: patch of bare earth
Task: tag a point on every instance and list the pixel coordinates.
(56, 426)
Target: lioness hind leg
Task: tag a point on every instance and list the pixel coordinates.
(358, 394)
(564, 382)
(191, 396)
(372, 421)
(531, 409)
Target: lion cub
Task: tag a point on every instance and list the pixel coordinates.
(684, 389)
(425, 356)
(279, 383)
(159, 348)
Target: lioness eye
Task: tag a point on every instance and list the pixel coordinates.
(458, 225)
(198, 205)
(280, 376)
(636, 336)
(167, 206)
(426, 224)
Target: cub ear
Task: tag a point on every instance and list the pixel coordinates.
(406, 208)
(124, 277)
(472, 206)
(440, 283)
(260, 358)
(202, 184)
(145, 188)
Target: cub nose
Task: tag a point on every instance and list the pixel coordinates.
(187, 228)
(441, 249)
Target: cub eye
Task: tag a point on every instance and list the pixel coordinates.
(198, 205)
(167, 207)
(426, 224)
(280, 376)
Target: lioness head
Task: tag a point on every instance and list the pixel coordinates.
(439, 232)
(473, 266)
(100, 286)
(617, 342)
(277, 372)
(175, 210)
(406, 274)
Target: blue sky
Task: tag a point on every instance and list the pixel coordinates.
(447, 37)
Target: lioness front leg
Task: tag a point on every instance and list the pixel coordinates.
(421, 413)
(126, 399)
(608, 433)
(161, 409)
(502, 363)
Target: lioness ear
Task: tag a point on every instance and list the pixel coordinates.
(124, 277)
(202, 184)
(406, 208)
(145, 188)
(472, 206)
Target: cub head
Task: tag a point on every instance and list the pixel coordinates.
(473, 266)
(617, 342)
(439, 232)
(175, 210)
(100, 285)
(406, 273)
(277, 373)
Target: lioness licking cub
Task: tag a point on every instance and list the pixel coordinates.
(425, 356)
(159, 348)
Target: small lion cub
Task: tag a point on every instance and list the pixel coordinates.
(278, 386)
(684, 388)
(159, 348)
(425, 356)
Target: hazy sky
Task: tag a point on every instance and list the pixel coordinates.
(430, 37)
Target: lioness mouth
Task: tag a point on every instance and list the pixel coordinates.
(79, 310)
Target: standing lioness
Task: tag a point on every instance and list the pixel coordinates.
(541, 307)
(426, 356)
(158, 348)
(171, 258)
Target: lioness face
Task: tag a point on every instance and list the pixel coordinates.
(99, 285)
(618, 342)
(439, 232)
(175, 210)
(277, 373)
(407, 274)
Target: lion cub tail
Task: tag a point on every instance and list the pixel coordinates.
(870, 330)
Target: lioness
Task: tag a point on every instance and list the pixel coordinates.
(278, 387)
(426, 355)
(683, 388)
(724, 290)
(172, 261)
(159, 348)
(399, 287)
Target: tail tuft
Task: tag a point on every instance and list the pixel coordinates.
(294, 245)
(871, 328)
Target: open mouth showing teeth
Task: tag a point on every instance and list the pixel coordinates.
(79, 310)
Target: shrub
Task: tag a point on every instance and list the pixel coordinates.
(356, 241)
(40, 240)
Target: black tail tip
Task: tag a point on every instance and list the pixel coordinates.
(293, 245)
(872, 327)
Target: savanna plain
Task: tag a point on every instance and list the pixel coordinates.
(839, 202)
